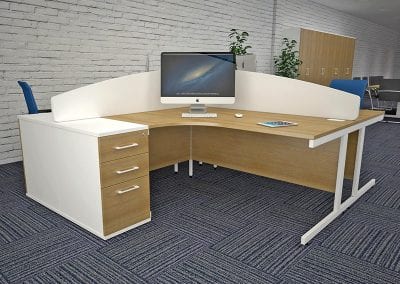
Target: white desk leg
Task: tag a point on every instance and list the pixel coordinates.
(176, 167)
(190, 168)
(339, 207)
(357, 166)
(338, 194)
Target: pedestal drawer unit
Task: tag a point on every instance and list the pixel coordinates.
(124, 176)
(109, 163)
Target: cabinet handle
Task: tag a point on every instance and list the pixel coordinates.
(122, 191)
(126, 146)
(127, 170)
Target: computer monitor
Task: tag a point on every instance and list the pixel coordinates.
(198, 78)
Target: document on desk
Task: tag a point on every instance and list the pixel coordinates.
(278, 123)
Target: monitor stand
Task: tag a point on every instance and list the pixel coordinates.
(198, 110)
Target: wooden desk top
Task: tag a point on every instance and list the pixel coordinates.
(309, 127)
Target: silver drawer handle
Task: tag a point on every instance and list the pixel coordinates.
(127, 170)
(122, 191)
(126, 146)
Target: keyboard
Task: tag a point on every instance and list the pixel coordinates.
(207, 114)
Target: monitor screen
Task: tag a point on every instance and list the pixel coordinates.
(197, 74)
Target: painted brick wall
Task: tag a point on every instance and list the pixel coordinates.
(396, 73)
(376, 46)
(60, 45)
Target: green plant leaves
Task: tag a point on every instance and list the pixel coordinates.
(236, 46)
(288, 62)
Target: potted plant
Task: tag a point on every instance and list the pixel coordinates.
(244, 60)
(287, 63)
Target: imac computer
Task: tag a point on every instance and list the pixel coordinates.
(198, 78)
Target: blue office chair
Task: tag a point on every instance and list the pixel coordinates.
(29, 99)
(356, 87)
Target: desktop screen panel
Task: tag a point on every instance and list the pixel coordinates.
(197, 75)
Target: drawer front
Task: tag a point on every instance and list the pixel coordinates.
(122, 145)
(121, 170)
(125, 204)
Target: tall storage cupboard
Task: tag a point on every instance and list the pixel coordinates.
(325, 56)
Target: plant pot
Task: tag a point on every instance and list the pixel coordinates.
(246, 62)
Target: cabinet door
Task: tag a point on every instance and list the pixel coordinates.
(347, 61)
(308, 53)
(325, 57)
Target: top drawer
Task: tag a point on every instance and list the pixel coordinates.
(123, 145)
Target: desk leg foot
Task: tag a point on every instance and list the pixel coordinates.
(190, 168)
(335, 213)
(215, 166)
(176, 168)
(200, 163)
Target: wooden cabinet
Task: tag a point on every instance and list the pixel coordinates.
(124, 174)
(325, 56)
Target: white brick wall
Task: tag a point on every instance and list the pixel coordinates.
(64, 44)
(396, 73)
(376, 46)
(60, 45)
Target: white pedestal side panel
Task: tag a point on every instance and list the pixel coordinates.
(62, 172)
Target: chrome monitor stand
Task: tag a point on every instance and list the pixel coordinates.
(198, 110)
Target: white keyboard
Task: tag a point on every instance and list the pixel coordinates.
(207, 114)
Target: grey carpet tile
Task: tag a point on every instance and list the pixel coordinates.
(10, 201)
(90, 268)
(367, 243)
(3, 279)
(289, 218)
(28, 256)
(313, 200)
(12, 170)
(242, 204)
(386, 194)
(213, 267)
(175, 200)
(379, 174)
(204, 224)
(268, 249)
(374, 214)
(320, 265)
(17, 224)
(151, 250)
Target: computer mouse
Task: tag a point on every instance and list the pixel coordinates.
(238, 115)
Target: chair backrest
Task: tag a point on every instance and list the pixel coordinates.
(356, 87)
(375, 80)
(390, 84)
(29, 98)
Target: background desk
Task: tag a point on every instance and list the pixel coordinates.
(311, 154)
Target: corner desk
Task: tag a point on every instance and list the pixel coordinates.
(317, 153)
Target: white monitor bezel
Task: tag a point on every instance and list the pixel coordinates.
(198, 100)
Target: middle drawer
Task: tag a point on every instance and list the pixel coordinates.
(121, 170)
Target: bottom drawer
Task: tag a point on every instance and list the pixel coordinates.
(125, 204)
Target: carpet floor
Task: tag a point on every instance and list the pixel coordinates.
(221, 226)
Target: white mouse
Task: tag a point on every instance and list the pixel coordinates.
(238, 115)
